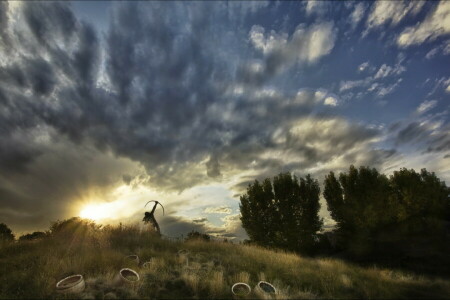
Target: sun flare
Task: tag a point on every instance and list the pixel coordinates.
(94, 212)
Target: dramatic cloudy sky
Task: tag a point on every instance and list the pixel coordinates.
(106, 105)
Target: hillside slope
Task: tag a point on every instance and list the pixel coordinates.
(31, 269)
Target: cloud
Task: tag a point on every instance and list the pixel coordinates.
(437, 23)
(386, 90)
(213, 167)
(218, 210)
(305, 45)
(428, 134)
(431, 53)
(199, 220)
(439, 83)
(364, 66)
(426, 105)
(357, 14)
(392, 12)
(4, 20)
(385, 71)
(331, 101)
(315, 7)
(172, 226)
(375, 84)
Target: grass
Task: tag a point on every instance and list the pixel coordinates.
(31, 270)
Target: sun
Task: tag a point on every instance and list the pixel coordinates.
(94, 212)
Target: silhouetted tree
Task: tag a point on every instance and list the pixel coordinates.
(283, 214)
(366, 205)
(32, 236)
(257, 213)
(6, 234)
(359, 203)
(419, 195)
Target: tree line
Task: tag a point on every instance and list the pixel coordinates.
(371, 210)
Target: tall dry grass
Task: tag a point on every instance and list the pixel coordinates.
(31, 269)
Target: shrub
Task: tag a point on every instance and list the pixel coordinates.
(32, 236)
(6, 234)
(195, 235)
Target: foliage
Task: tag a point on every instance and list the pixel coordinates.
(32, 236)
(283, 213)
(366, 205)
(73, 226)
(195, 235)
(419, 195)
(6, 234)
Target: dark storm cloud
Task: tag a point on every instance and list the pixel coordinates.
(54, 183)
(49, 21)
(175, 226)
(213, 167)
(426, 135)
(40, 76)
(4, 37)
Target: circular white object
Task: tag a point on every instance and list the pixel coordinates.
(183, 252)
(265, 288)
(147, 264)
(133, 257)
(71, 285)
(124, 274)
(247, 288)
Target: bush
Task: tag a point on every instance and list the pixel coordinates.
(32, 236)
(6, 234)
(195, 235)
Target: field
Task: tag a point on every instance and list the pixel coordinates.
(31, 269)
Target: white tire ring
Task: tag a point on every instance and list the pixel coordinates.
(71, 285)
(133, 257)
(249, 289)
(183, 252)
(147, 264)
(260, 289)
(122, 274)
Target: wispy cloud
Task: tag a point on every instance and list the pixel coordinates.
(426, 105)
(218, 210)
(435, 24)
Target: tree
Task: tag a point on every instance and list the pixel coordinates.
(367, 206)
(284, 213)
(257, 213)
(359, 203)
(6, 234)
(419, 195)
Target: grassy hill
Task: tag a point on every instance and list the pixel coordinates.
(30, 269)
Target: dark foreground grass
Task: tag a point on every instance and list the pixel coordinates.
(31, 270)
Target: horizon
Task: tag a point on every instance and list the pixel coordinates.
(106, 105)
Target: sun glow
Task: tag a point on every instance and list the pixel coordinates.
(94, 212)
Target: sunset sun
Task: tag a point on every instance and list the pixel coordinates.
(94, 212)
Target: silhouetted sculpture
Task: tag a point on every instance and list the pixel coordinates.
(150, 218)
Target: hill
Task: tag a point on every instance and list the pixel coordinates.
(31, 269)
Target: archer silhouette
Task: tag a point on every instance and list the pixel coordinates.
(150, 218)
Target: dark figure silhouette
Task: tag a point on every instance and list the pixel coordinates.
(150, 218)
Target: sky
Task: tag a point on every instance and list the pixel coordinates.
(107, 105)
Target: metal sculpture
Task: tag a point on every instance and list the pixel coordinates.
(150, 218)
